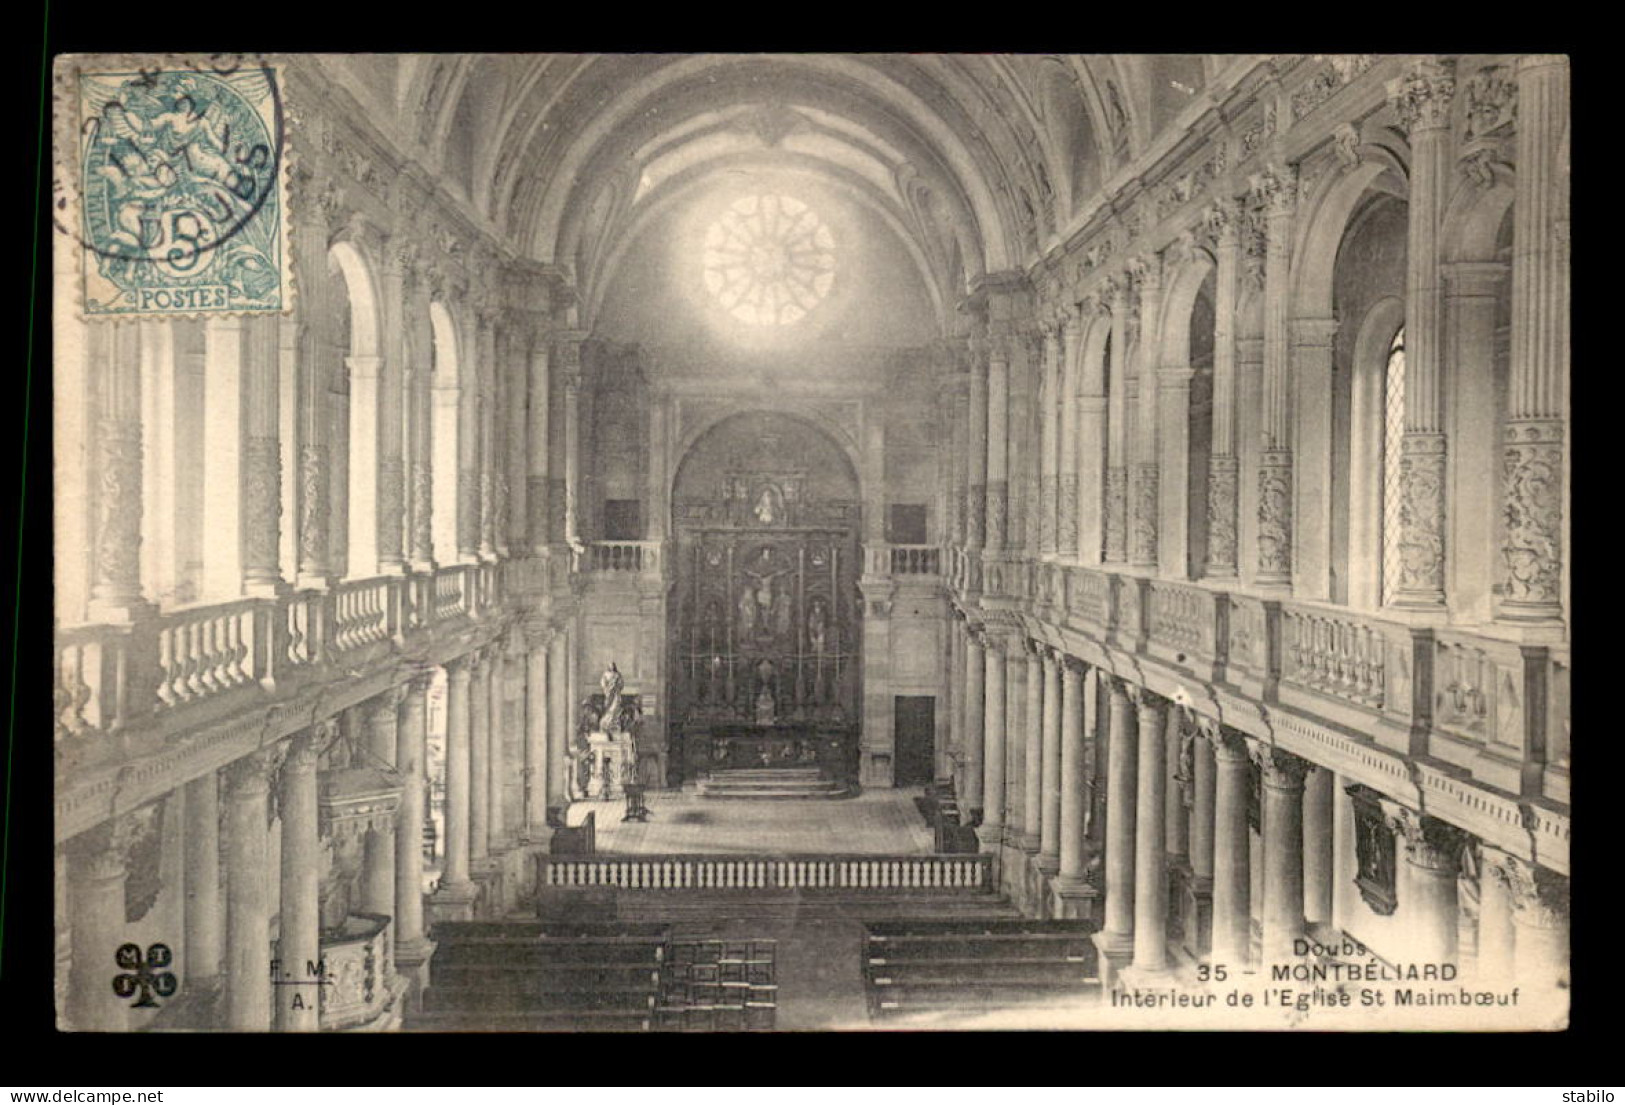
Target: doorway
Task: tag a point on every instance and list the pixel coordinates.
(915, 726)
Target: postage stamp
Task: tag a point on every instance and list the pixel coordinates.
(181, 184)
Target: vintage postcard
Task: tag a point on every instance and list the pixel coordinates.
(776, 542)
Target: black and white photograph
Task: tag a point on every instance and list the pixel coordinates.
(786, 542)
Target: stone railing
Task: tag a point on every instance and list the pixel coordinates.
(1089, 597)
(1183, 624)
(1497, 709)
(879, 874)
(1337, 654)
(164, 664)
(91, 669)
(452, 598)
(623, 556)
(916, 560)
(212, 650)
(364, 612)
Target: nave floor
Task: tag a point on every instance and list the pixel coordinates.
(876, 822)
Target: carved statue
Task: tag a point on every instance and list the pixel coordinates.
(767, 509)
(817, 619)
(611, 684)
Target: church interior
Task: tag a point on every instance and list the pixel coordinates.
(767, 542)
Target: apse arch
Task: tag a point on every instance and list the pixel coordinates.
(765, 623)
(718, 418)
(686, 186)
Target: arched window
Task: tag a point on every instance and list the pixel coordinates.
(1393, 436)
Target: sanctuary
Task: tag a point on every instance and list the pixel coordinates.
(751, 542)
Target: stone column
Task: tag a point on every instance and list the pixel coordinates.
(1232, 877)
(248, 899)
(976, 453)
(498, 769)
(1202, 808)
(515, 466)
(1533, 584)
(485, 444)
(1276, 189)
(1318, 794)
(479, 755)
(378, 864)
(455, 876)
(1495, 929)
(411, 760)
(998, 448)
(299, 947)
(1015, 741)
(958, 418)
(1150, 860)
(262, 459)
(558, 764)
(115, 592)
(1540, 918)
(96, 907)
(1282, 912)
(1092, 433)
(1074, 784)
(536, 733)
(201, 952)
(1432, 851)
(1049, 442)
(1223, 466)
(1067, 467)
(1421, 99)
(1116, 939)
(568, 357)
(1176, 772)
(309, 241)
(1032, 807)
(1116, 292)
(659, 478)
(468, 448)
(992, 829)
(975, 704)
(1144, 534)
(421, 392)
(1049, 844)
(540, 443)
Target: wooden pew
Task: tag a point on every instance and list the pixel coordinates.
(977, 966)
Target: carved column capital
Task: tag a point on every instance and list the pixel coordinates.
(304, 750)
(251, 775)
(1281, 769)
(1491, 100)
(1274, 189)
(1421, 97)
(102, 852)
(1540, 897)
(1429, 843)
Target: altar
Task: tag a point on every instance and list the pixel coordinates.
(717, 748)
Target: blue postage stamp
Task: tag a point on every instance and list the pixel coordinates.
(181, 178)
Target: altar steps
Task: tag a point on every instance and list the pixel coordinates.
(771, 783)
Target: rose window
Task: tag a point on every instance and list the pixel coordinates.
(769, 260)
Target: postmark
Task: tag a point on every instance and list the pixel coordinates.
(180, 181)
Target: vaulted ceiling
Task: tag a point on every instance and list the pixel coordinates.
(975, 161)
